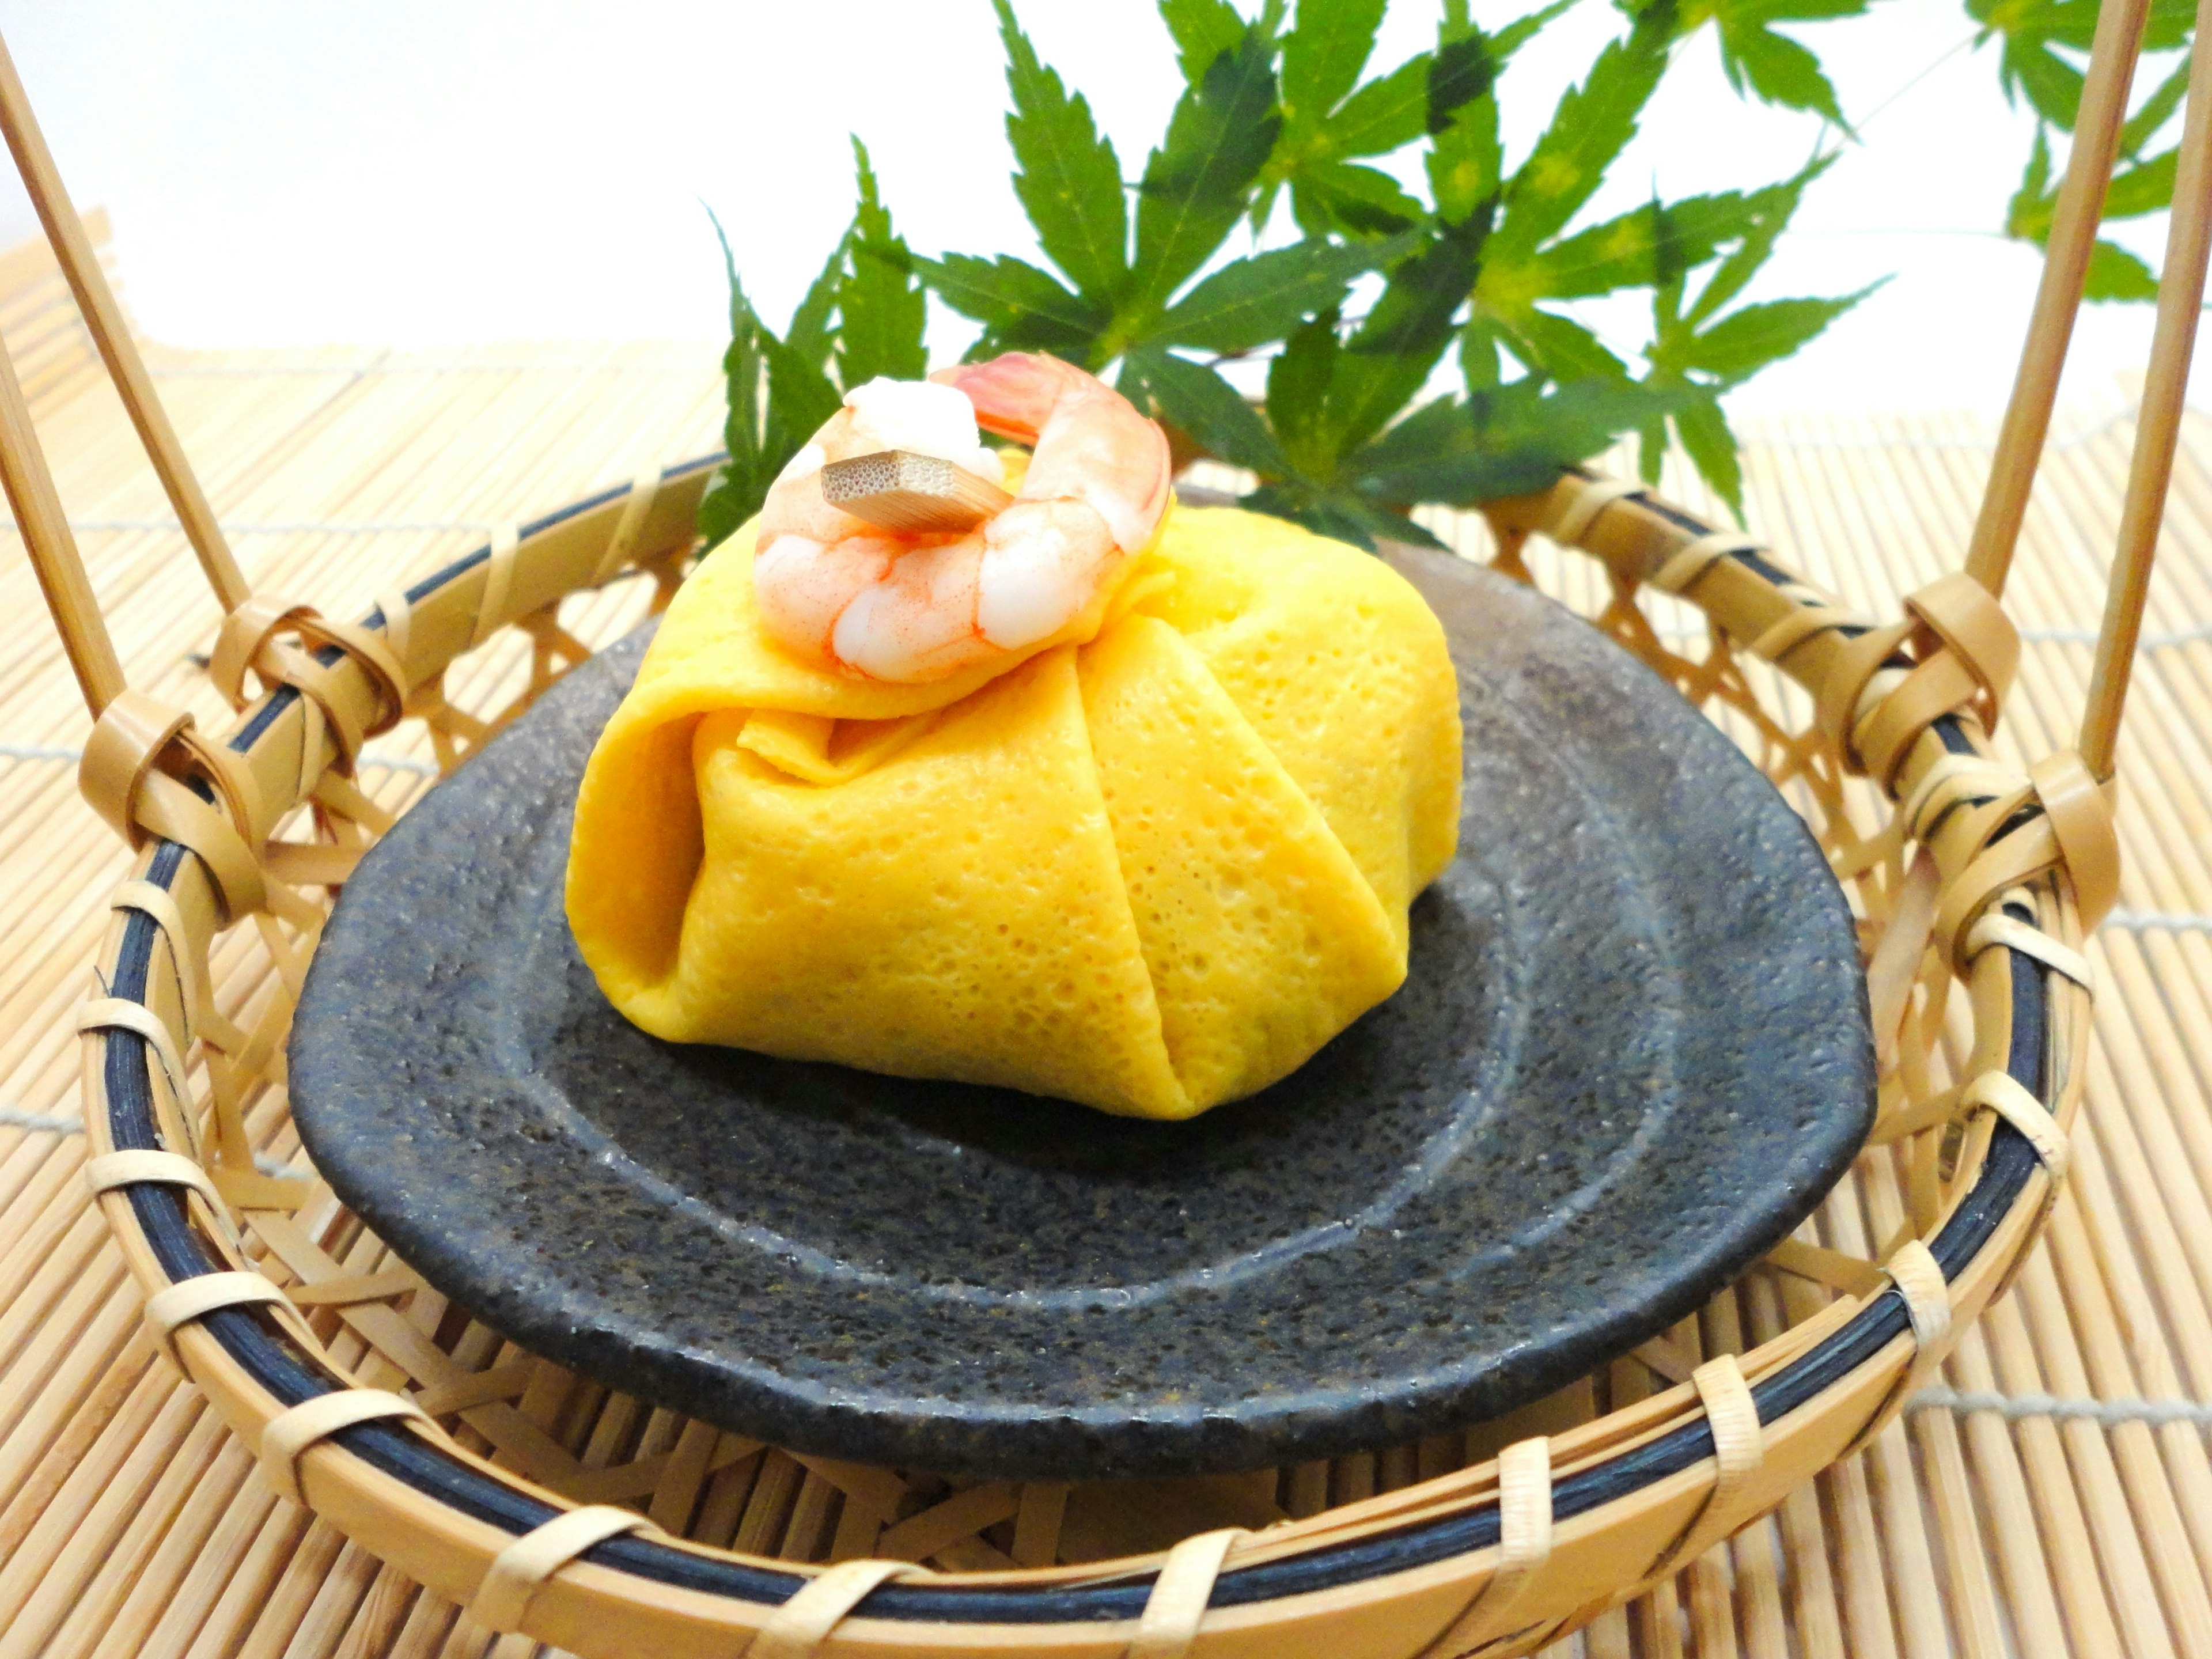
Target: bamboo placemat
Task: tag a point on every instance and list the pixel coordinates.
(2053, 1498)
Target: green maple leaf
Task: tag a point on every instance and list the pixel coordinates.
(1503, 440)
(1708, 361)
(1593, 123)
(2027, 216)
(1773, 66)
(1193, 190)
(814, 325)
(1327, 395)
(1656, 242)
(880, 308)
(1069, 181)
(1329, 43)
(1700, 349)
(1711, 446)
(2038, 41)
(1202, 30)
(1297, 388)
(1560, 349)
(2116, 274)
(1466, 160)
(1325, 121)
(1357, 201)
(2156, 111)
(2145, 187)
(1388, 356)
(1330, 124)
(1387, 113)
(861, 317)
(1021, 307)
(1197, 399)
(2030, 66)
(738, 481)
(1198, 183)
(1750, 337)
(778, 396)
(1341, 514)
(1262, 298)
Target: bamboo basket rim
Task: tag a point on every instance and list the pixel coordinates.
(254, 1369)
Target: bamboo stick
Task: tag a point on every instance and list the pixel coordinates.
(104, 317)
(2073, 239)
(89, 1628)
(2173, 344)
(2037, 1627)
(213, 1556)
(54, 557)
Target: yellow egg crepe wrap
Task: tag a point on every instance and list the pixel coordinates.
(1152, 866)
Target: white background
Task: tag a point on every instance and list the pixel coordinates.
(423, 171)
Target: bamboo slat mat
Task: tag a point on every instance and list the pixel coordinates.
(2053, 1498)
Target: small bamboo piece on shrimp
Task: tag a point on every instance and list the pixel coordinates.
(914, 494)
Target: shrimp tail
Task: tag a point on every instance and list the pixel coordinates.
(1090, 445)
(1015, 394)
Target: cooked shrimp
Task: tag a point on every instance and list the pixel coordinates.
(909, 609)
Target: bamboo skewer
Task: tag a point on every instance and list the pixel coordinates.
(103, 319)
(38, 513)
(2072, 239)
(915, 494)
(2173, 342)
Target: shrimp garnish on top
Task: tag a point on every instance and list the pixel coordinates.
(837, 590)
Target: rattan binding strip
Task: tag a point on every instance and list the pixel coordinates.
(800, 1628)
(109, 1170)
(1524, 1544)
(516, 1571)
(287, 1439)
(189, 1300)
(1739, 1447)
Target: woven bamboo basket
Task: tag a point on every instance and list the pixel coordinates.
(610, 1527)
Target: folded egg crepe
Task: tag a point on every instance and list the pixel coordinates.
(1151, 864)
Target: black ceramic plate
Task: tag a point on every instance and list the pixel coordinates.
(1630, 1055)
